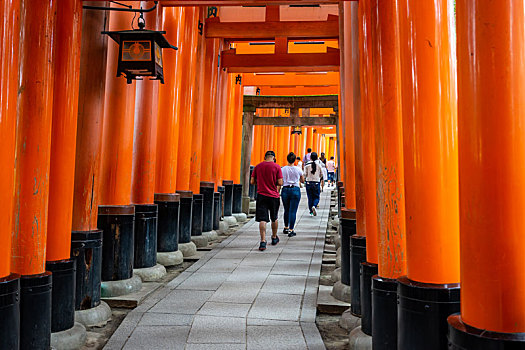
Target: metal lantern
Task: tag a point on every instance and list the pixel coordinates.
(296, 130)
(140, 53)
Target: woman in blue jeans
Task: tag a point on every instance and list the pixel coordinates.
(314, 178)
(291, 193)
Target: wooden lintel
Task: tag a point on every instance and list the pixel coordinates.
(168, 3)
(293, 30)
(281, 62)
(294, 121)
(318, 101)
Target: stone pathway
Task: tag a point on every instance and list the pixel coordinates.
(237, 297)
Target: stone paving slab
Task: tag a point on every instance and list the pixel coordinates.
(132, 300)
(235, 297)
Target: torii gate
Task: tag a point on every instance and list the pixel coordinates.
(250, 105)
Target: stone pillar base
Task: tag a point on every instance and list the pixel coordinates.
(188, 249)
(223, 227)
(349, 321)
(96, 316)
(341, 292)
(200, 241)
(211, 235)
(240, 217)
(246, 205)
(151, 274)
(69, 339)
(117, 288)
(337, 241)
(170, 258)
(230, 220)
(359, 340)
(336, 275)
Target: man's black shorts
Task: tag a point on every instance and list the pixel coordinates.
(265, 205)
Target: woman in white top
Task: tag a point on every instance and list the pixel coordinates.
(325, 174)
(314, 177)
(291, 193)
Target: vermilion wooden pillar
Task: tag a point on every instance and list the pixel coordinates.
(428, 74)
(220, 121)
(62, 163)
(33, 148)
(223, 113)
(348, 112)
(116, 214)
(188, 53)
(145, 128)
(367, 36)
(228, 140)
(389, 177)
(86, 238)
(9, 282)
(199, 99)
(64, 129)
(119, 112)
(491, 91)
(173, 22)
(209, 133)
(341, 101)
(237, 133)
(9, 30)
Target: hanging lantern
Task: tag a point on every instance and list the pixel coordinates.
(140, 52)
(296, 130)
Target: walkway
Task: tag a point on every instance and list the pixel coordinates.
(236, 297)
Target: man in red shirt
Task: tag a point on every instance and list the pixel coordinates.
(269, 179)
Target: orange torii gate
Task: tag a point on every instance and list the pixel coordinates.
(294, 103)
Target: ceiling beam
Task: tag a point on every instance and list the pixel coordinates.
(245, 2)
(291, 79)
(251, 31)
(294, 121)
(298, 90)
(321, 101)
(281, 62)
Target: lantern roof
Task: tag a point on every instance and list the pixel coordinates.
(158, 36)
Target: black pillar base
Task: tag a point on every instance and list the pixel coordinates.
(348, 229)
(185, 216)
(86, 249)
(216, 210)
(464, 337)
(422, 313)
(197, 215)
(384, 313)
(206, 189)
(168, 221)
(368, 270)
(145, 240)
(35, 311)
(228, 197)
(237, 199)
(357, 256)
(10, 312)
(221, 190)
(117, 223)
(63, 299)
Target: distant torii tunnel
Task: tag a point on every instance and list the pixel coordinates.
(294, 103)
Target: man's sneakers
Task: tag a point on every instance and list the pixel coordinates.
(291, 233)
(286, 231)
(314, 211)
(262, 245)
